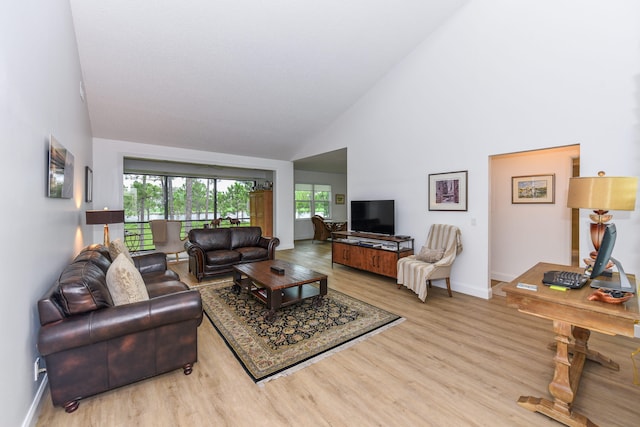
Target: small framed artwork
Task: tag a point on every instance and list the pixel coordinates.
(533, 189)
(448, 191)
(339, 199)
(88, 184)
(60, 170)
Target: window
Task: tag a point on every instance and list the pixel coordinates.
(194, 201)
(149, 197)
(312, 199)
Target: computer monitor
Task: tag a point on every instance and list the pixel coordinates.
(600, 264)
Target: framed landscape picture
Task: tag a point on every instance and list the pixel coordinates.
(533, 189)
(448, 191)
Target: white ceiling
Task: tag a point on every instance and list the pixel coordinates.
(246, 77)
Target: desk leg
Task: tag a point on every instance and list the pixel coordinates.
(592, 355)
(566, 377)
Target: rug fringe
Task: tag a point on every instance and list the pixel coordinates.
(328, 353)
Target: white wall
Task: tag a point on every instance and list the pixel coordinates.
(498, 77)
(39, 95)
(108, 158)
(338, 182)
(524, 234)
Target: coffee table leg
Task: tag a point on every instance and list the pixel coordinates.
(237, 278)
(319, 299)
(274, 301)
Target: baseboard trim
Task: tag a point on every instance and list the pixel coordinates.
(34, 410)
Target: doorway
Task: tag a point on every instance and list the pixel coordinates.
(523, 234)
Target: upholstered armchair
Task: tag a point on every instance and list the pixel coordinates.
(166, 236)
(433, 262)
(321, 230)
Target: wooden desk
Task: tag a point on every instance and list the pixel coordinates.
(574, 317)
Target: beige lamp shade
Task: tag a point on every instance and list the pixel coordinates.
(604, 193)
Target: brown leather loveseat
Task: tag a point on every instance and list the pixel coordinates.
(214, 251)
(91, 345)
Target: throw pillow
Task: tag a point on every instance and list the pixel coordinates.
(117, 247)
(430, 255)
(125, 283)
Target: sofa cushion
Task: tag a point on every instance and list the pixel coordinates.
(158, 289)
(159, 277)
(253, 253)
(243, 237)
(125, 282)
(117, 247)
(211, 239)
(222, 257)
(82, 288)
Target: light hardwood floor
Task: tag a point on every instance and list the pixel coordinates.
(460, 361)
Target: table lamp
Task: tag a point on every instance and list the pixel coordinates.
(602, 194)
(105, 217)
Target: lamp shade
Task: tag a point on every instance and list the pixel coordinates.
(105, 216)
(603, 193)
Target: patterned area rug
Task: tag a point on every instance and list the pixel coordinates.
(300, 335)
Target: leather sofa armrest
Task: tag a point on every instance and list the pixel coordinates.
(190, 246)
(113, 322)
(148, 263)
(270, 243)
(195, 250)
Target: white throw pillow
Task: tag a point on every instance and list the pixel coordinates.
(125, 283)
(430, 255)
(117, 247)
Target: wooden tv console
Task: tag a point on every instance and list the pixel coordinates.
(371, 252)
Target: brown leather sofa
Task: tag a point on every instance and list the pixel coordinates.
(214, 251)
(91, 346)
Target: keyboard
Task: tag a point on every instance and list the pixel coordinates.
(568, 279)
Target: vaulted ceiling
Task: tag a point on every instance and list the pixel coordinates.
(246, 77)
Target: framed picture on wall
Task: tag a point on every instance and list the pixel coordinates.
(339, 199)
(60, 170)
(533, 189)
(448, 191)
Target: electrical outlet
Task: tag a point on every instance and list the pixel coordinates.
(36, 369)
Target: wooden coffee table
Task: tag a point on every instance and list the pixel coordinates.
(275, 290)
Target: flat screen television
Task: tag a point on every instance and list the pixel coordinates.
(373, 216)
